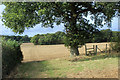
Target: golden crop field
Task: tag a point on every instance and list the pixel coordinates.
(33, 52)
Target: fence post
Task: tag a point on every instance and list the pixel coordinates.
(85, 50)
(106, 49)
(96, 49)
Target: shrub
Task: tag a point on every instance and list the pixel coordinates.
(11, 56)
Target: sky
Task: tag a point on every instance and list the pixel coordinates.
(41, 30)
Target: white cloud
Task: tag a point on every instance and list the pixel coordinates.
(40, 30)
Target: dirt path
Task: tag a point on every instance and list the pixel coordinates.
(33, 52)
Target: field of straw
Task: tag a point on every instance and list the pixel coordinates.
(33, 52)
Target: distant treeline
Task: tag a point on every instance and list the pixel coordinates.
(58, 37)
(105, 36)
(21, 39)
(49, 38)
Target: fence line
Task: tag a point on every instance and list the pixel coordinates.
(94, 49)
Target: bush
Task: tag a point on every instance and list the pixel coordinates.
(11, 56)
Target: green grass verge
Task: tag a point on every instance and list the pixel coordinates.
(60, 68)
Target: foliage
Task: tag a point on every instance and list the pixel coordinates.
(20, 39)
(115, 46)
(47, 39)
(115, 36)
(25, 39)
(59, 37)
(11, 55)
(34, 39)
(106, 35)
(72, 15)
(97, 37)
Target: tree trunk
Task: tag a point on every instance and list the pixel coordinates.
(74, 51)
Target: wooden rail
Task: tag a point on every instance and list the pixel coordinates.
(89, 50)
(94, 49)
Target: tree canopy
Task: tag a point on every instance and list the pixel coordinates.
(48, 39)
(20, 39)
(21, 15)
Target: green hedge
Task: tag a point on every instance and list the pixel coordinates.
(11, 56)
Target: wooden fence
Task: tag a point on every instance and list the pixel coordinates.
(94, 50)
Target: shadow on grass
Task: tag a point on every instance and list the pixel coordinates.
(30, 69)
(32, 65)
(96, 57)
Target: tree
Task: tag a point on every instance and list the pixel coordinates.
(107, 34)
(115, 36)
(116, 45)
(25, 39)
(48, 39)
(97, 37)
(21, 15)
(60, 37)
(35, 39)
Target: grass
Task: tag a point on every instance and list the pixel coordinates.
(95, 57)
(61, 68)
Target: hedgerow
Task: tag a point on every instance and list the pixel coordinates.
(11, 56)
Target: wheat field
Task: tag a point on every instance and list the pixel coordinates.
(33, 52)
